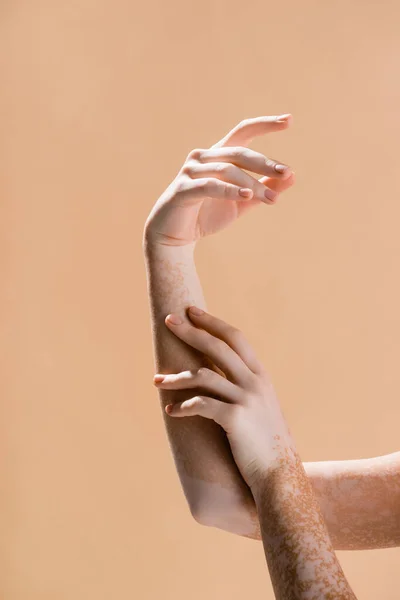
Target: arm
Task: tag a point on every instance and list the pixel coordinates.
(203, 459)
(300, 555)
(299, 552)
(359, 499)
(210, 191)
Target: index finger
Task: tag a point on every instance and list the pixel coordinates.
(243, 133)
(228, 334)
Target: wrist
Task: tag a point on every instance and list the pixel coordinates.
(153, 246)
(282, 461)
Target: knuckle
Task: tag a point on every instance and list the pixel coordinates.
(222, 168)
(227, 190)
(200, 401)
(237, 151)
(221, 346)
(203, 373)
(234, 416)
(250, 398)
(209, 185)
(242, 152)
(181, 187)
(195, 154)
(188, 168)
(258, 386)
(270, 163)
(213, 345)
(234, 334)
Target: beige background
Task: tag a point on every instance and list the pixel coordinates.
(101, 101)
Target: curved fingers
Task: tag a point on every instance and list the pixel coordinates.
(232, 336)
(245, 158)
(204, 378)
(221, 354)
(203, 406)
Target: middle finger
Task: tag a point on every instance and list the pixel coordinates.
(245, 158)
(230, 174)
(222, 355)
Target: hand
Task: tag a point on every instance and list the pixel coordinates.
(243, 402)
(211, 190)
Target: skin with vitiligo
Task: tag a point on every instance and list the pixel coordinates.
(201, 452)
(190, 208)
(359, 499)
(215, 490)
(298, 549)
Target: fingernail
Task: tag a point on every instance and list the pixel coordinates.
(283, 118)
(270, 194)
(196, 311)
(245, 192)
(280, 168)
(158, 378)
(174, 320)
(168, 408)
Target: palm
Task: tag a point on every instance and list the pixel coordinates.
(215, 215)
(212, 215)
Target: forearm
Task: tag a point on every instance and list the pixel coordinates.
(212, 484)
(300, 555)
(359, 500)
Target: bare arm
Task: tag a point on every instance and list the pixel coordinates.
(301, 559)
(299, 552)
(359, 500)
(208, 474)
(210, 191)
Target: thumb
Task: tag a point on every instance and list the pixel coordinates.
(203, 406)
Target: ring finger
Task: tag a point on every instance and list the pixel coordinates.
(230, 174)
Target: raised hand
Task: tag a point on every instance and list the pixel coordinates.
(212, 188)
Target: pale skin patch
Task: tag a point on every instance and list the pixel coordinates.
(201, 451)
(199, 447)
(300, 555)
(360, 500)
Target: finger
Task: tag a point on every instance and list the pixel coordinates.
(228, 334)
(217, 350)
(211, 187)
(230, 174)
(203, 406)
(245, 158)
(203, 378)
(279, 185)
(243, 133)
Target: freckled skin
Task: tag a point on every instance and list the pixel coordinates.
(362, 516)
(284, 512)
(299, 552)
(360, 501)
